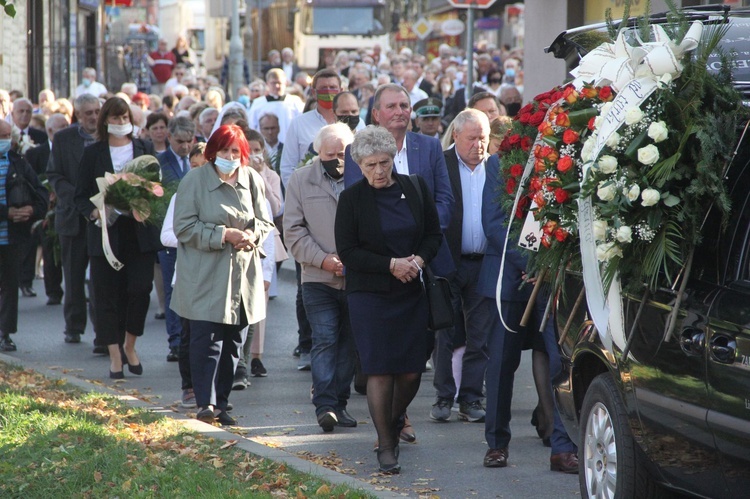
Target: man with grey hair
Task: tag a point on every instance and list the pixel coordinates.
(38, 157)
(62, 172)
(89, 85)
(287, 63)
(175, 164)
(269, 128)
(207, 119)
(21, 118)
(474, 313)
(309, 234)
(416, 94)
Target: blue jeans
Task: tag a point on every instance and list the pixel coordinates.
(332, 354)
(167, 259)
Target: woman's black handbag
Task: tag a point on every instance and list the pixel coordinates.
(439, 304)
(19, 191)
(438, 289)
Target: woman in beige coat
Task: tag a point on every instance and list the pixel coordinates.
(220, 221)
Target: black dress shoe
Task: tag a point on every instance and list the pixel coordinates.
(206, 415)
(6, 344)
(345, 419)
(54, 300)
(116, 375)
(101, 350)
(327, 420)
(160, 316)
(564, 462)
(28, 291)
(225, 419)
(496, 458)
(173, 355)
(72, 337)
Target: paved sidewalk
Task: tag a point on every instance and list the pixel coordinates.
(278, 420)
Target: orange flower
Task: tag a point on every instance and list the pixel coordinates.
(546, 241)
(562, 119)
(539, 199)
(561, 234)
(546, 129)
(548, 153)
(564, 164)
(570, 136)
(570, 95)
(540, 165)
(589, 92)
(549, 227)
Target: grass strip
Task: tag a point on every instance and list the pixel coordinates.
(58, 441)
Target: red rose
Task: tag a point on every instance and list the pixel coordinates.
(605, 93)
(535, 184)
(510, 185)
(536, 118)
(570, 136)
(549, 227)
(521, 208)
(556, 96)
(516, 170)
(561, 234)
(548, 152)
(539, 199)
(514, 140)
(524, 118)
(562, 119)
(546, 241)
(564, 164)
(561, 195)
(570, 95)
(526, 143)
(543, 97)
(527, 109)
(590, 125)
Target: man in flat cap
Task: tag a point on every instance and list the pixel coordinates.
(428, 112)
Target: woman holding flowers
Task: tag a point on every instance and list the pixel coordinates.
(220, 220)
(121, 297)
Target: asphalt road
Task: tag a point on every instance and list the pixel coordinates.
(446, 461)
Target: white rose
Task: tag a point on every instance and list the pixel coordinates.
(600, 230)
(607, 164)
(613, 140)
(605, 109)
(632, 193)
(657, 131)
(606, 251)
(650, 197)
(588, 148)
(598, 122)
(624, 234)
(648, 155)
(606, 192)
(633, 115)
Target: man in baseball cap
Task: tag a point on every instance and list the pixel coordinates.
(428, 112)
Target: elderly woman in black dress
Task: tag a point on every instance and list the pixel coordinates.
(386, 231)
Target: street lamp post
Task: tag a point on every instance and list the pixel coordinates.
(235, 51)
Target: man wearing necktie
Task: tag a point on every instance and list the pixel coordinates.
(174, 166)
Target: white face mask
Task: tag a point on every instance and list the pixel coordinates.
(226, 166)
(120, 130)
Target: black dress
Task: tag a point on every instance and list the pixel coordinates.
(390, 328)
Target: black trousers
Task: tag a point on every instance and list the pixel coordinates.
(52, 269)
(184, 355)
(75, 259)
(215, 350)
(27, 259)
(121, 298)
(8, 288)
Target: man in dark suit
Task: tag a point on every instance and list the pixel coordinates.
(21, 114)
(505, 346)
(174, 166)
(416, 154)
(474, 313)
(38, 157)
(62, 172)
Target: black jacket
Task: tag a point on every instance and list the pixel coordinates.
(38, 157)
(95, 163)
(20, 167)
(359, 239)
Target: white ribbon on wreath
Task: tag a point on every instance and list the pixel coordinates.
(634, 73)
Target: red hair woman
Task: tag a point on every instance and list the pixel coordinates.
(220, 220)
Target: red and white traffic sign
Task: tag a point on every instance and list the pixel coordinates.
(477, 4)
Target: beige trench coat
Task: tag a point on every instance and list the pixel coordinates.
(212, 277)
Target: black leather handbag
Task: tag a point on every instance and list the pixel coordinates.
(438, 289)
(19, 191)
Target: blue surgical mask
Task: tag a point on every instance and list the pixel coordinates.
(226, 166)
(86, 82)
(244, 100)
(4, 146)
(510, 72)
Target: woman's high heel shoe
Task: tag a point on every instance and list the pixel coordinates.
(134, 369)
(389, 468)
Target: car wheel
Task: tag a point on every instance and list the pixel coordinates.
(609, 463)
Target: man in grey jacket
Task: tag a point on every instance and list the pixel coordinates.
(62, 172)
(310, 211)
